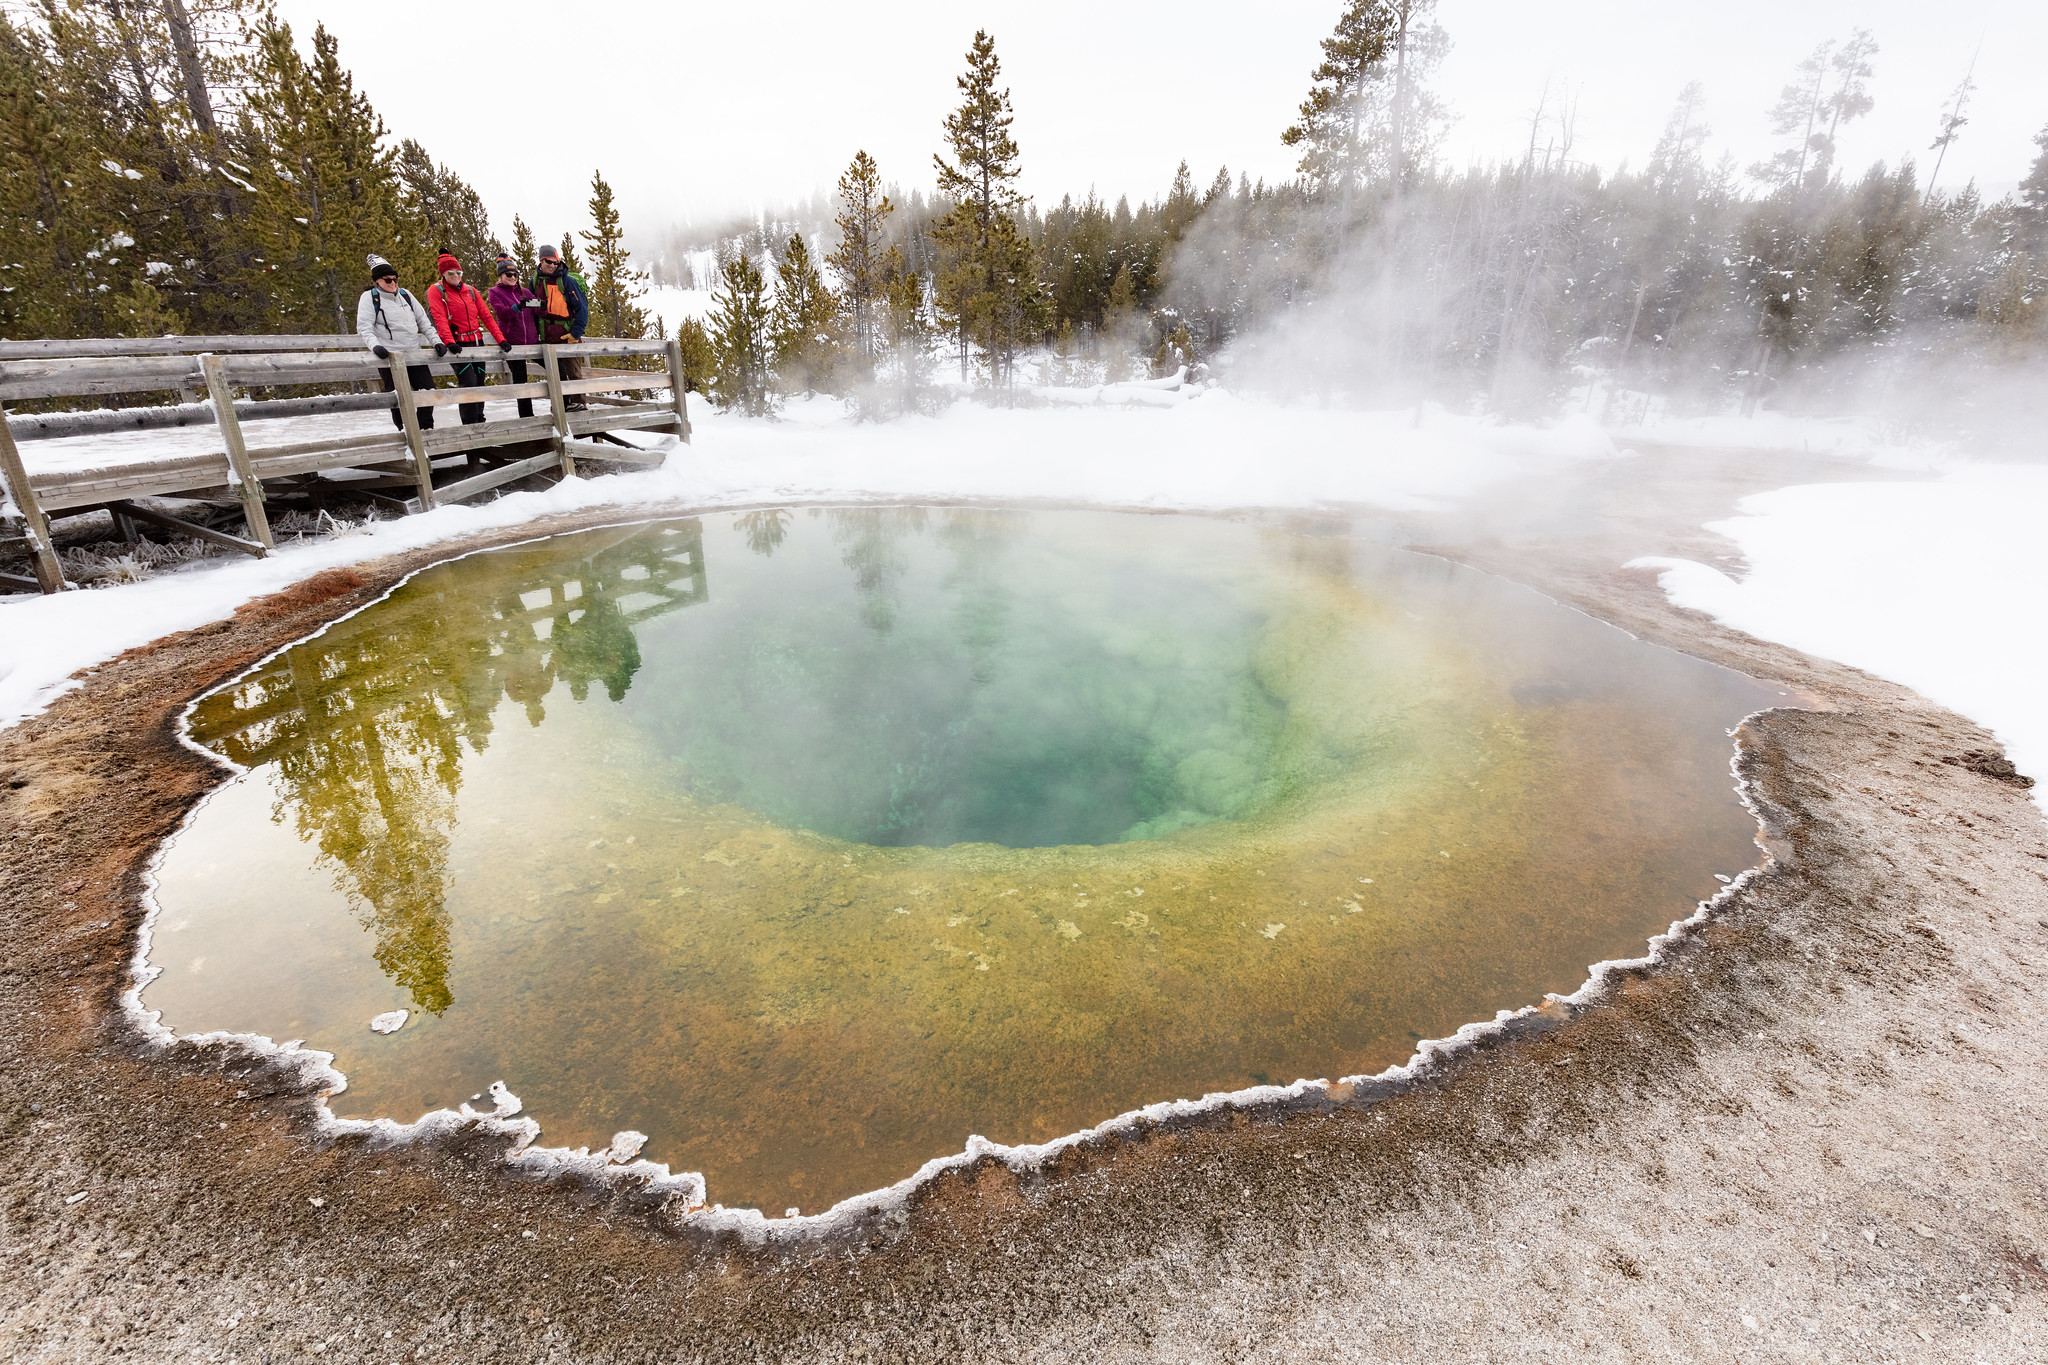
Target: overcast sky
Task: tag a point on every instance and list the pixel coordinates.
(694, 111)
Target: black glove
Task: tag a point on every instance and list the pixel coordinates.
(380, 353)
(504, 346)
(455, 347)
(439, 349)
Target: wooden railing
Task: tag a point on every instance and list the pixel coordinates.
(494, 452)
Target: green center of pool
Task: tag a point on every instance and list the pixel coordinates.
(810, 842)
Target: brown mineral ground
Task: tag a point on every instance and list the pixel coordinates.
(1812, 1132)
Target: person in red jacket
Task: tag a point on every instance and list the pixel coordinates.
(462, 317)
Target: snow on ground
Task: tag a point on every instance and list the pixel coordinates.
(1939, 586)
(1210, 452)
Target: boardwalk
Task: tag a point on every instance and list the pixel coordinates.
(322, 394)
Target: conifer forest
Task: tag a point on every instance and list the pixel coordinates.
(193, 166)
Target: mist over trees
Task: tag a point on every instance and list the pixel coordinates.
(1378, 273)
(190, 166)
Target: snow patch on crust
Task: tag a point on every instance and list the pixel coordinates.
(1933, 585)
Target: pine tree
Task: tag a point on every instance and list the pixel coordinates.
(570, 261)
(616, 284)
(1120, 324)
(859, 260)
(1181, 207)
(2033, 195)
(524, 249)
(740, 345)
(450, 210)
(990, 292)
(1333, 117)
(903, 380)
(327, 196)
(700, 357)
(803, 325)
(1831, 88)
(1675, 164)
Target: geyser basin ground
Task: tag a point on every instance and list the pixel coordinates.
(810, 843)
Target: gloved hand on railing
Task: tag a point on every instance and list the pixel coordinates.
(380, 353)
(439, 349)
(504, 346)
(455, 348)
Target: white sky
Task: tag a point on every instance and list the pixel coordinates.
(693, 110)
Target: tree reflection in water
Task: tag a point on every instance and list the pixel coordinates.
(365, 722)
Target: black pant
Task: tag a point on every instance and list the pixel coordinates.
(518, 368)
(422, 380)
(470, 377)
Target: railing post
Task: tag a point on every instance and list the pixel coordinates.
(409, 416)
(241, 474)
(49, 573)
(560, 408)
(675, 390)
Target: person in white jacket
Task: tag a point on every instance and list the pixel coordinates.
(390, 319)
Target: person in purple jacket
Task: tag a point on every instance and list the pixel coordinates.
(518, 313)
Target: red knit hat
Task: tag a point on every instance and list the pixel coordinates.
(446, 264)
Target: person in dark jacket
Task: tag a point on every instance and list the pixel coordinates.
(462, 317)
(564, 310)
(389, 319)
(518, 313)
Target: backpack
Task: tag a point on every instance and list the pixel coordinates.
(377, 303)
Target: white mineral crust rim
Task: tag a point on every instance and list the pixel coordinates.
(391, 1021)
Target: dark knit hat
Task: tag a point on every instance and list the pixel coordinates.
(379, 268)
(548, 253)
(505, 265)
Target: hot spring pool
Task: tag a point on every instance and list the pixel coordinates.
(811, 842)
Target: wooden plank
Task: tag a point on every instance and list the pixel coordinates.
(552, 376)
(241, 476)
(482, 352)
(491, 478)
(110, 346)
(505, 431)
(183, 527)
(42, 550)
(622, 453)
(678, 390)
(409, 413)
(21, 581)
(61, 493)
(642, 379)
(443, 398)
(621, 419)
(89, 376)
(621, 346)
(86, 378)
(51, 426)
(336, 445)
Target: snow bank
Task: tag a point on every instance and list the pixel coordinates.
(1938, 586)
(1210, 453)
